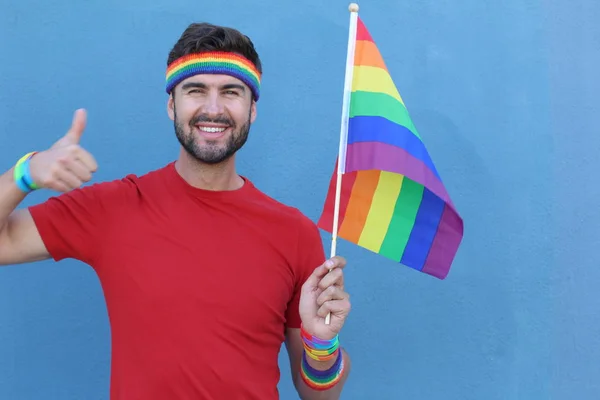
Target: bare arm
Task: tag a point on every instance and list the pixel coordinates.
(295, 350)
(63, 167)
(20, 241)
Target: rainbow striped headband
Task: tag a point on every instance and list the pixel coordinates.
(214, 62)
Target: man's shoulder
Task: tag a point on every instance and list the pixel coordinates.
(282, 210)
(130, 180)
(156, 174)
(119, 188)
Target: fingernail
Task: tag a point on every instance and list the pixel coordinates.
(329, 264)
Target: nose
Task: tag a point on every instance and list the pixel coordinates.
(213, 104)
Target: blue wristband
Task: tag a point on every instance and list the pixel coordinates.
(22, 175)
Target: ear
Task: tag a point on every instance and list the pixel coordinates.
(170, 108)
(253, 111)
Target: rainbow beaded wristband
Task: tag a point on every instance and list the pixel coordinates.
(322, 380)
(321, 350)
(22, 175)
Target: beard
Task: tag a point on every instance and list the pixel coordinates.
(212, 152)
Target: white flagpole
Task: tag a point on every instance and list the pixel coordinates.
(353, 8)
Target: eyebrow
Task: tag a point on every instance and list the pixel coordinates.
(200, 85)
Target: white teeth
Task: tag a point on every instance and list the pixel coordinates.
(211, 129)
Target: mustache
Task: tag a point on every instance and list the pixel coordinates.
(215, 120)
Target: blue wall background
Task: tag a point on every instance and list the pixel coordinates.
(504, 95)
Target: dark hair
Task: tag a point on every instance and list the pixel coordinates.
(208, 37)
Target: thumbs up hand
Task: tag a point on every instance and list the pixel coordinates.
(66, 165)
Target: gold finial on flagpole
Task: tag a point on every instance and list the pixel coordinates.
(353, 7)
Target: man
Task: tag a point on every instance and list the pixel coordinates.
(204, 275)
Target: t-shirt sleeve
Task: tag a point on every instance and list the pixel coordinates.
(309, 255)
(73, 224)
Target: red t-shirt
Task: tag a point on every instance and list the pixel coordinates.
(199, 285)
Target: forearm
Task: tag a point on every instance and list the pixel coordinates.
(10, 197)
(333, 393)
(19, 240)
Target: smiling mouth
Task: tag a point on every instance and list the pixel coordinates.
(212, 129)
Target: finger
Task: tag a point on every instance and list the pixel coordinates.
(316, 276)
(59, 186)
(335, 277)
(68, 178)
(319, 272)
(79, 169)
(77, 127)
(335, 262)
(334, 307)
(331, 293)
(87, 159)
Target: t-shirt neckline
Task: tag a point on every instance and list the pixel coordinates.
(216, 194)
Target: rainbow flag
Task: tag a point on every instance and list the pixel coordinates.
(392, 199)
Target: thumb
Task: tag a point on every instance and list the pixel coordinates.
(73, 135)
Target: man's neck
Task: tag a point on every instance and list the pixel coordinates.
(217, 177)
